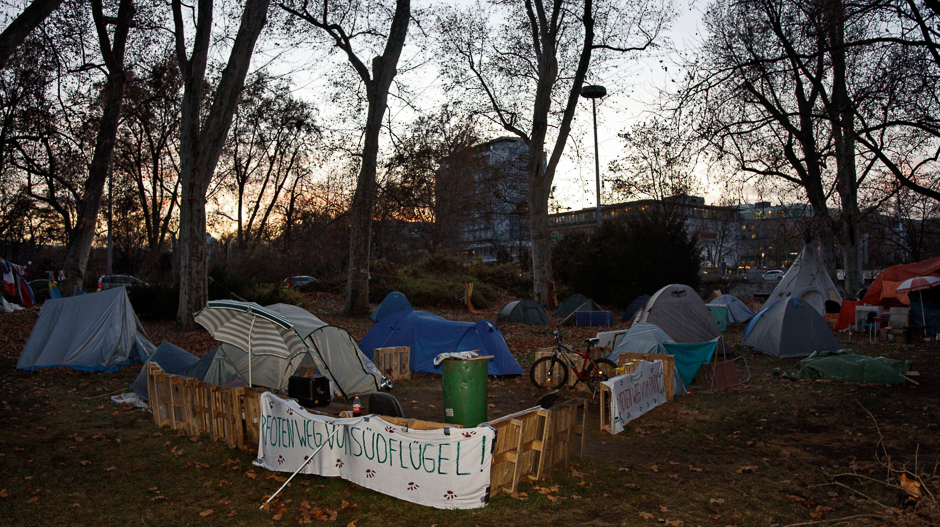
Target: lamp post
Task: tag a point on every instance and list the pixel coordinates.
(595, 92)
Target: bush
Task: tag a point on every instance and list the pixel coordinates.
(155, 302)
(627, 259)
(267, 294)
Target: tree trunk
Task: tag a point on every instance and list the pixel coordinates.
(83, 234)
(23, 25)
(200, 149)
(541, 240)
(843, 127)
(384, 69)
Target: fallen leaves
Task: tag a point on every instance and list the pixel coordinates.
(747, 469)
(208, 512)
(110, 469)
(646, 516)
(912, 486)
(34, 499)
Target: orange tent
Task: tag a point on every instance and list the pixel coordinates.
(883, 291)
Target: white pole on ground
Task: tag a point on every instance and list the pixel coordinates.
(336, 429)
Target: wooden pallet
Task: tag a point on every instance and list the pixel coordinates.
(530, 444)
(631, 361)
(394, 363)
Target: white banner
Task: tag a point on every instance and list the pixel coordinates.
(437, 468)
(634, 394)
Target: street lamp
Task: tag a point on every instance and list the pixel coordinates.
(595, 92)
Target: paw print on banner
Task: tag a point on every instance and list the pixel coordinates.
(413, 486)
(339, 463)
(306, 458)
(449, 495)
(290, 411)
(271, 405)
(281, 460)
(370, 473)
(469, 434)
(389, 429)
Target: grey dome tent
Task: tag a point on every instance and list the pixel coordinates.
(96, 332)
(789, 328)
(681, 313)
(641, 338)
(524, 311)
(334, 352)
(738, 312)
(809, 278)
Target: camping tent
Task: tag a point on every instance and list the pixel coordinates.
(524, 311)
(429, 335)
(883, 291)
(334, 352)
(809, 277)
(171, 359)
(738, 312)
(789, 328)
(641, 338)
(97, 332)
(392, 303)
(681, 313)
(634, 306)
(573, 304)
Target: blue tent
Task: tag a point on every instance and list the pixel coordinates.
(171, 359)
(634, 306)
(394, 302)
(429, 335)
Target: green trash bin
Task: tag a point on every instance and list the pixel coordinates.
(465, 391)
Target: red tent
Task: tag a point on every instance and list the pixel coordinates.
(883, 291)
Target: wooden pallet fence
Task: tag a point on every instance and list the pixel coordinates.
(230, 415)
(542, 371)
(532, 443)
(394, 363)
(417, 424)
(631, 361)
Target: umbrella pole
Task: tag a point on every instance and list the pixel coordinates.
(923, 315)
(250, 329)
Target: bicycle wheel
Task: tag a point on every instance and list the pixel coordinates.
(605, 370)
(549, 373)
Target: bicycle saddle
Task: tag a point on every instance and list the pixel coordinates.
(592, 341)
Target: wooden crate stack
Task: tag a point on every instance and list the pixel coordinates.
(394, 363)
(631, 361)
(530, 444)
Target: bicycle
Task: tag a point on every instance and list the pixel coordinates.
(557, 364)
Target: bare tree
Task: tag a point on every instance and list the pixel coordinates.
(83, 234)
(526, 75)
(14, 35)
(202, 139)
(345, 24)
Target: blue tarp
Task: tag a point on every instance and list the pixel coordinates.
(689, 357)
(394, 302)
(634, 306)
(171, 359)
(429, 335)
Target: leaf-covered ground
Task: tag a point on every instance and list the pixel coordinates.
(768, 452)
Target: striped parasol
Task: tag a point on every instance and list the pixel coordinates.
(268, 337)
(919, 283)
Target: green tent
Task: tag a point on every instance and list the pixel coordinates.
(523, 311)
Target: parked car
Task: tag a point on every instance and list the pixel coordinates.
(773, 276)
(110, 281)
(296, 282)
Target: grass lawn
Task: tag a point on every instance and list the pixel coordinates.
(769, 452)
